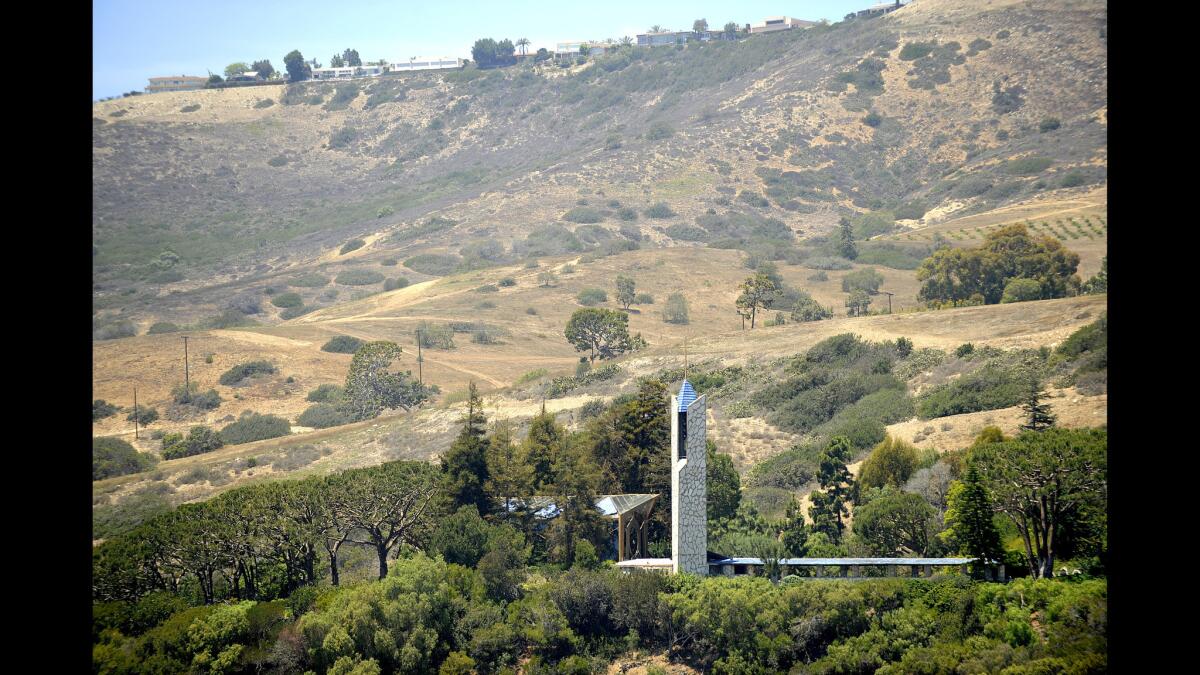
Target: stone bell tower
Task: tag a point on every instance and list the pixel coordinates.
(689, 494)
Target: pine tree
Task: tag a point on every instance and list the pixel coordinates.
(510, 476)
(542, 446)
(970, 515)
(845, 240)
(795, 534)
(465, 463)
(1036, 412)
(837, 484)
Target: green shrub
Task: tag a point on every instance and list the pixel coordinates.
(915, 50)
(1026, 166)
(342, 344)
(209, 400)
(583, 214)
(866, 279)
(278, 160)
(244, 370)
(392, 284)
(357, 277)
(115, 457)
(659, 131)
(342, 138)
(508, 282)
(1021, 290)
(254, 427)
(102, 409)
(435, 336)
(352, 245)
(144, 415)
(872, 119)
(433, 264)
(293, 312)
(264, 103)
(487, 288)
(1073, 179)
(827, 263)
(660, 211)
(389, 262)
(325, 415)
(326, 393)
(532, 375)
(989, 388)
(311, 280)
(200, 439)
(591, 296)
(627, 213)
(560, 386)
(1049, 124)
(116, 330)
(753, 199)
(159, 327)
(190, 108)
(643, 299)
(286, 300)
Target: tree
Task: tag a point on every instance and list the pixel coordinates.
(892, 462)
(337, 61)
(808, 309)
(542, 447)
(731, 30)
(626, 41)
(724, 485)
(1098, 283)
(263, 68)
(297, 69)
(857, 303)
(461, 538)
(576, 482)
(505, 50)
(115, 457)
(1021, 290)
(214, 78)
(895, 524)
(955, 275)
(844, 243)
(675, 309)
(465, 463)
(510, 473)
(370, 387)
(523, 44)
(970, 516)
(547, 278)
(829, 503)
(866, 279)
(1037, 414)
(795, 533)
(699, 26)
(350, 56)
(236, 68)
(626, 290)
(757, 291)
(604, 333)
(1041, 479)
(657, 29)
(389, 504)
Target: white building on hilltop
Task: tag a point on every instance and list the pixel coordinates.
(774, 23)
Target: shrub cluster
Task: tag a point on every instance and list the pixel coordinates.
(199, 440)
(244, 370)
(252, 426)
(560, 386)
(357, 277)
(342, 344)
(115, 457)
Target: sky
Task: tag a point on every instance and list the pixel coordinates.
(134, 40)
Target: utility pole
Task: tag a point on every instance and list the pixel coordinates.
(420, 361)
(136, 414)
(889, 294)
(187, 383)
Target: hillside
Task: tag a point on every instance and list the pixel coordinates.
(248, 195)
(926, 125)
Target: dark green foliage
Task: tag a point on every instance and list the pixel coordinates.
(508, 282)
(358, 277)
(435, 336)
(208, 400)
(1049, 124)
(724, 486)
(561, 386)
(895, 255)
(866, 279)
(591, 296)
(844, 244)
(1037, 414)
(293, 312)
(872, 119)
(964, 349)
(753, 199)
(1021, 290)
(254, 427)
(660, 210)
(1026, 166)
(342, 344)
(102, 409)
(115, 457)
(915, 50)
(352, 245)
(891, 463)
(311, 280)
(806, 308)
(433, 264)
(979, 275)
(287, 300)
(971, 517)
(325, 415)
(342, 138)
(583, 214)
(244, 370)
(392, 284)
(659, 131)
(371, 387)
(988, 388)
(190, 108)
(896, 524)
(464, 465)
(199, 440)
(142, 414)
(115, 330)
(675, 310)
(160, 327)
(326, 393)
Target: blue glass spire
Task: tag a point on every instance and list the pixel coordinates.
(686, 396)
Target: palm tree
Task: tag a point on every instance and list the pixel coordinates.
(523, 43)
(626, 41)
(657, 29)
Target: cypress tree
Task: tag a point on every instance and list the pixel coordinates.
(542, 446)
(1037, 413)
(465, 463)
(829, 503)
(845, 240)
(972, 515)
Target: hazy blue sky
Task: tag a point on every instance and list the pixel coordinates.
(133, 40)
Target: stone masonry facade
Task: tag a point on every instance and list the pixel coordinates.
(689, 498)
